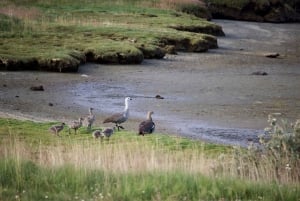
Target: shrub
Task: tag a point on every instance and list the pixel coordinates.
(282, 138)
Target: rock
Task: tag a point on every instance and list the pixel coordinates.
(159, 97)
(37, 88)
(263, 73)
(272, 55)
(261, 11)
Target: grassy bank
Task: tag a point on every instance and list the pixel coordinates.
(60, 35)
(36, 165)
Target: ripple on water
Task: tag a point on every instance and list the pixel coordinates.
(229, 136)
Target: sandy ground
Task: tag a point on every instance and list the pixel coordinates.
(210, 96)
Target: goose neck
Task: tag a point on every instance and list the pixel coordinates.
(149, 117)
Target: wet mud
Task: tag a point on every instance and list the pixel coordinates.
(211, 96)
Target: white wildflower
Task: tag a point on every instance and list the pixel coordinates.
(288, 167)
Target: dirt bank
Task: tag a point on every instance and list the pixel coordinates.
(211, 96)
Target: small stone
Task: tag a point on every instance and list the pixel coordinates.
(50, 104)
(263, 73)
(272, 55)
(37, 88)
(159, 97)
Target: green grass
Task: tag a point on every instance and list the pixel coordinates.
(36, 165)
(117, 32)
(27, 181)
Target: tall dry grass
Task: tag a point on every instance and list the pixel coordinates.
(21, 12)
(140, 156)
(113, 156)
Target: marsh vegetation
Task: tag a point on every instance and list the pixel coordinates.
(36, 165)
(61, 35)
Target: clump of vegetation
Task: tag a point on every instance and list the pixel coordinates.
(277, 157)
(35, 165)
(282, 138)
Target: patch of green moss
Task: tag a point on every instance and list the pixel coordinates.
(99, 32)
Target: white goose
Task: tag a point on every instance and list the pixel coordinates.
(119, 118)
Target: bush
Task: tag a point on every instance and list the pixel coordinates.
(276, 157)
(282, 138)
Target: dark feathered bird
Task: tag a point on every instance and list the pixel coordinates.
(107, 132)
(57, 128)
(119, 118)
(89, 120)
(75, 125)
(147, 126)
(98, 134)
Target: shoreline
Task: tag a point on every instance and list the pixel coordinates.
(208, 96)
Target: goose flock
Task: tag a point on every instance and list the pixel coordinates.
(145, 127)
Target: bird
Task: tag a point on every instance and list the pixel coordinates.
(147, 126)
(75, 125)
(57, 128)
(106, 132)
(89, 120)
(98, 134)
(119, 118)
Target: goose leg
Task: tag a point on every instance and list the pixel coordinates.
(118, 127)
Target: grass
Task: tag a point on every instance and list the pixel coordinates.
(119, 32)
(35, 165)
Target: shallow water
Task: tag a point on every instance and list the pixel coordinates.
(210, 96)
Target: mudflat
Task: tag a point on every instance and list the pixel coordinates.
(216, 96)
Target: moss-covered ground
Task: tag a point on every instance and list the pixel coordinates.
(59, 36)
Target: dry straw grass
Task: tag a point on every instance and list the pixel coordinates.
(113, 156)
(137, 156)
(21, 12)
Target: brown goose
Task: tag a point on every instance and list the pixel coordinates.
(89, 120)
(147, 126)
(57, 128)
(75, 125)
(119, 118)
